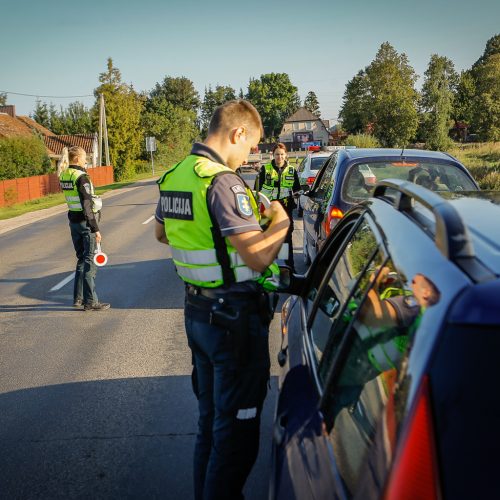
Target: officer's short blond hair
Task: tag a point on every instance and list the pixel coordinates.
(237, 113)
(76, 153)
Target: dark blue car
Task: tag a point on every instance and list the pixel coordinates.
(390, 354)
(350, 175)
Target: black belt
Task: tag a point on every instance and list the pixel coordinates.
(215, 294)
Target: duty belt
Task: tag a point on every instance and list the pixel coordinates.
(215, 294)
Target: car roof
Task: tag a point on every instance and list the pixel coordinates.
(388, 152)
(480, 210)
(321, 154)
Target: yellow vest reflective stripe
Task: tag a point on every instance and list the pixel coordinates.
(67, 181)
(272, 180)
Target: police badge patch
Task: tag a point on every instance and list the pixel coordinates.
(243, 204)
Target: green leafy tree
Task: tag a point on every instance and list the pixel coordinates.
(41, 114)
(312, 104)
(354, 113)
(178, 91)
(211, 100)
(438, 90)
(77, 119)
(275, 97)
(492, 48)
(22, 157)
(393, 99)
(123, 112)
(486, 115)
(463, 104)
(3, 98)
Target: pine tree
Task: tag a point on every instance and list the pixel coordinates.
(312, 104)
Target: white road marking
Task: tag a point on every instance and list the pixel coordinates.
(63, 282)
(149, 220)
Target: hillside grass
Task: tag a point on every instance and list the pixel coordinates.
(482, 160)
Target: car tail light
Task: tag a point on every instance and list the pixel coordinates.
(310, 180)
(414, 474)
(334, 214)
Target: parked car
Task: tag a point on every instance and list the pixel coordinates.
(307, 171)
(348, 177)
(389, 354)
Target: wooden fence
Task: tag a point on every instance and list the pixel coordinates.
(29, 188)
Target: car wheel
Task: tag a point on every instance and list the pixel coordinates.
(307, 258)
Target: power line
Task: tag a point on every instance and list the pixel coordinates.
(47, 96)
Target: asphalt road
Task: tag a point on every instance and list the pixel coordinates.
(99, 404)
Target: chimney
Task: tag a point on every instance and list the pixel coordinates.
(9, 110)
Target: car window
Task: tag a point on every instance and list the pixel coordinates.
(333, 299)
(323, 185)
(385, 311)
(317, 162)
(360, 179)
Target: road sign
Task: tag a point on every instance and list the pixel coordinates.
(150, 144)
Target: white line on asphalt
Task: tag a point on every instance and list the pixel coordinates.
(149, 220)
(62, 283)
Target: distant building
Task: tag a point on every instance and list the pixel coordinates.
(12, 125)
(303, 126)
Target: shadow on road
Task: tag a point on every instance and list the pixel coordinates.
(124, 438)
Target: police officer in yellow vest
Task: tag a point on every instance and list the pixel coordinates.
(83, 206)
(279, 181)
(210, 220)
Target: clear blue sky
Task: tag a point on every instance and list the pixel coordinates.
(60, 47)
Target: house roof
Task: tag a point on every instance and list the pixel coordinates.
(35, 125)
(56, 143)
(302, 114)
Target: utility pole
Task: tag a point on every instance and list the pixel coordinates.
(103, 132)
(99, 146)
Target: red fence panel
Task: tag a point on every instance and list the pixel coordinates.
(29, 188)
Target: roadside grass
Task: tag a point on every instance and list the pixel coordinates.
(53, 200)
(483, 162)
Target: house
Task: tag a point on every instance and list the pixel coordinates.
(55, 145)
(12, 125)
(303, 126)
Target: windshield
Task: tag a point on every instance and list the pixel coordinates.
(361, 178)
(318, 162)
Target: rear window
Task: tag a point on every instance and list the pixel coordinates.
(360, 179)
(317, 163)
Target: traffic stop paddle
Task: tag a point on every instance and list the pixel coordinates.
(100, 258)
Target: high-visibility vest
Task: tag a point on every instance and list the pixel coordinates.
(201, 255)
(274, 183)
(67, 181)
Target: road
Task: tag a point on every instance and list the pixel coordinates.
(99, 404)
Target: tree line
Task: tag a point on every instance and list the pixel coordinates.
(381, 99)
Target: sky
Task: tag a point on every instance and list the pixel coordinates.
(58, 48)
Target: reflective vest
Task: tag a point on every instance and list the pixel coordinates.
(272, 182)
(67, 180)
(201, 255)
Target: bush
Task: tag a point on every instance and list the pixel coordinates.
(362, 141)
(23, 157)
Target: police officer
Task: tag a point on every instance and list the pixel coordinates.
(210, 219)
(279, 181)
(83, 207)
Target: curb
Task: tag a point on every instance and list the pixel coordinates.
(7, 225)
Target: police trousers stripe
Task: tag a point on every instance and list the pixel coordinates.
(195, 257)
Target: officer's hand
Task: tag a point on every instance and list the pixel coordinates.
(274, 211)
(98, 237)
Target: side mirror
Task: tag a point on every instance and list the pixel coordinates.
(289, 282)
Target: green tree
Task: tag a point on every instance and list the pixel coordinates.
(77, 119)
(486, 115)
(312, 104)
(354, 113)
(179, 91)
(211, 100)
(393, 98)
(275, 97)
(123, 112)
(3, 98)
(492, 48)
(438, 90)
(41, 114)
(463, 104)
(22, 157)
